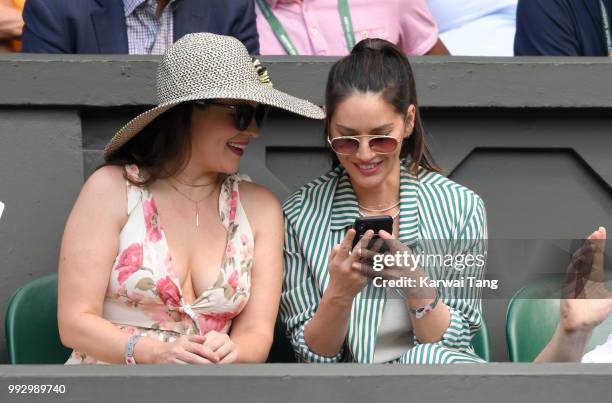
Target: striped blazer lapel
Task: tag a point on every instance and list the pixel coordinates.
(314, 228)
(369, 304)
(409, 207)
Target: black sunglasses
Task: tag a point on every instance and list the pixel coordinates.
(243, 114)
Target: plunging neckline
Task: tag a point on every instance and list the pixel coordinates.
(175, 279)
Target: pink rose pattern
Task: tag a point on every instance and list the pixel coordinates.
(128, 262)
(233, 206)
(168, 292)
(153, 292)
(154, 233)
(233, 280)
(230, 250)
(219, 322)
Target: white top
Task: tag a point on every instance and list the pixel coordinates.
(601, 353)
(395, 335)
(449, 14)
(476, 27)
(1, 209)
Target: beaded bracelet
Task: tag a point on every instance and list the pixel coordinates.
(424, 310)
(129, 349)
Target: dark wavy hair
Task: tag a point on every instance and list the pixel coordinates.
(162, 148)
(376, 65)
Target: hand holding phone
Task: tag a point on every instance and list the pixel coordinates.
(374, 223)
(345, 280)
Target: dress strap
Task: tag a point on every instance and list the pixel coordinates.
(229, 198)
(134, 192)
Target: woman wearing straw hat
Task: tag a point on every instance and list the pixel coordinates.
(166, 240)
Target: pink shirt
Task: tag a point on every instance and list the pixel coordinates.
(315, 29)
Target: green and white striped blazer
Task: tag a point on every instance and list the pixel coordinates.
(317, 217)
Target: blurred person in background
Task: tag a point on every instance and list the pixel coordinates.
(476, 27)
(332, 27)
(11, 25)
(132, 26)
(563, 28)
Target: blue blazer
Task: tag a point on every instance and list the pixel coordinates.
(560, 28)
(98, 26)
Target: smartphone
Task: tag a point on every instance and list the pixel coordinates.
(374, 223)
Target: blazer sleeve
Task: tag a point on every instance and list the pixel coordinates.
(545, 28)
(466, 308)
(245, 27)
(300, 296)
(43, 32)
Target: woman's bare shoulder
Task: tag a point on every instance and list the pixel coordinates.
(105, 191)
(252, 193)
(108, 179)
(260, 204)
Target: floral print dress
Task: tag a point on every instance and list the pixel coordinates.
(144, 294)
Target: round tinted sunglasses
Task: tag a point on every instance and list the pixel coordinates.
(243, 114)
(349, 145)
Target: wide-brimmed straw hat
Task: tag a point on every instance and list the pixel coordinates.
(208, 66)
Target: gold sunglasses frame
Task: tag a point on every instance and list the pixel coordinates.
(358, 138)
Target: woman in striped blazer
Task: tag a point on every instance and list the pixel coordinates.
(382, 166)
(331, 309)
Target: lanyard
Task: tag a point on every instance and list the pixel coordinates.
(281, 34)
(606, 26)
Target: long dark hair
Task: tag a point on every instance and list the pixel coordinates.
(162, 148)
(376, 65)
